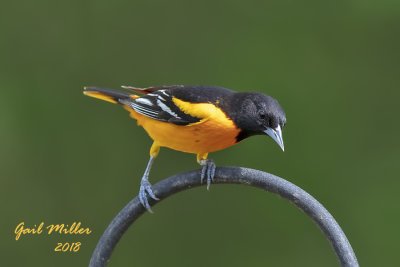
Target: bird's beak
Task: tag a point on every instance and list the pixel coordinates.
(276, 134)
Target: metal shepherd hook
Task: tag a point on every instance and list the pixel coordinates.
(228, 175)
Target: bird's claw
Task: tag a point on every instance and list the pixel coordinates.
(207, 171)
(145, 189)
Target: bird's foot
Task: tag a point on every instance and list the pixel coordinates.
(208, 171)
(145, 189)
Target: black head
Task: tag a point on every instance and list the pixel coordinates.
(258, 114)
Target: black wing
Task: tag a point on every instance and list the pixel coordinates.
(159, 105)
(151, 89)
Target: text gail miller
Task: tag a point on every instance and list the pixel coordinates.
(73, 229)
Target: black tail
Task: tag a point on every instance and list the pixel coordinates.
(109, 95)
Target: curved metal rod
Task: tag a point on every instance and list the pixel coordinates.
(228, 175)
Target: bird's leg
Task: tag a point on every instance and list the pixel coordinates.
(208, 170)
(145, 186)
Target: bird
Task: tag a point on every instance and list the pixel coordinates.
(196, 119)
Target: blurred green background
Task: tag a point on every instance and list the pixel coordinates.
(333, 65)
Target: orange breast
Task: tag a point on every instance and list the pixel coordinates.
(214, 132)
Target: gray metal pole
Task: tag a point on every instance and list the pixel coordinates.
(228, 175)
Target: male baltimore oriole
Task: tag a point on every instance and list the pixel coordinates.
(196, 119)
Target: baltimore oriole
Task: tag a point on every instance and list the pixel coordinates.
(196, 119)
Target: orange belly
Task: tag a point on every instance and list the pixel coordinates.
(208, 135)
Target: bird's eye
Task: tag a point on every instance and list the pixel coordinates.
(261, 115)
